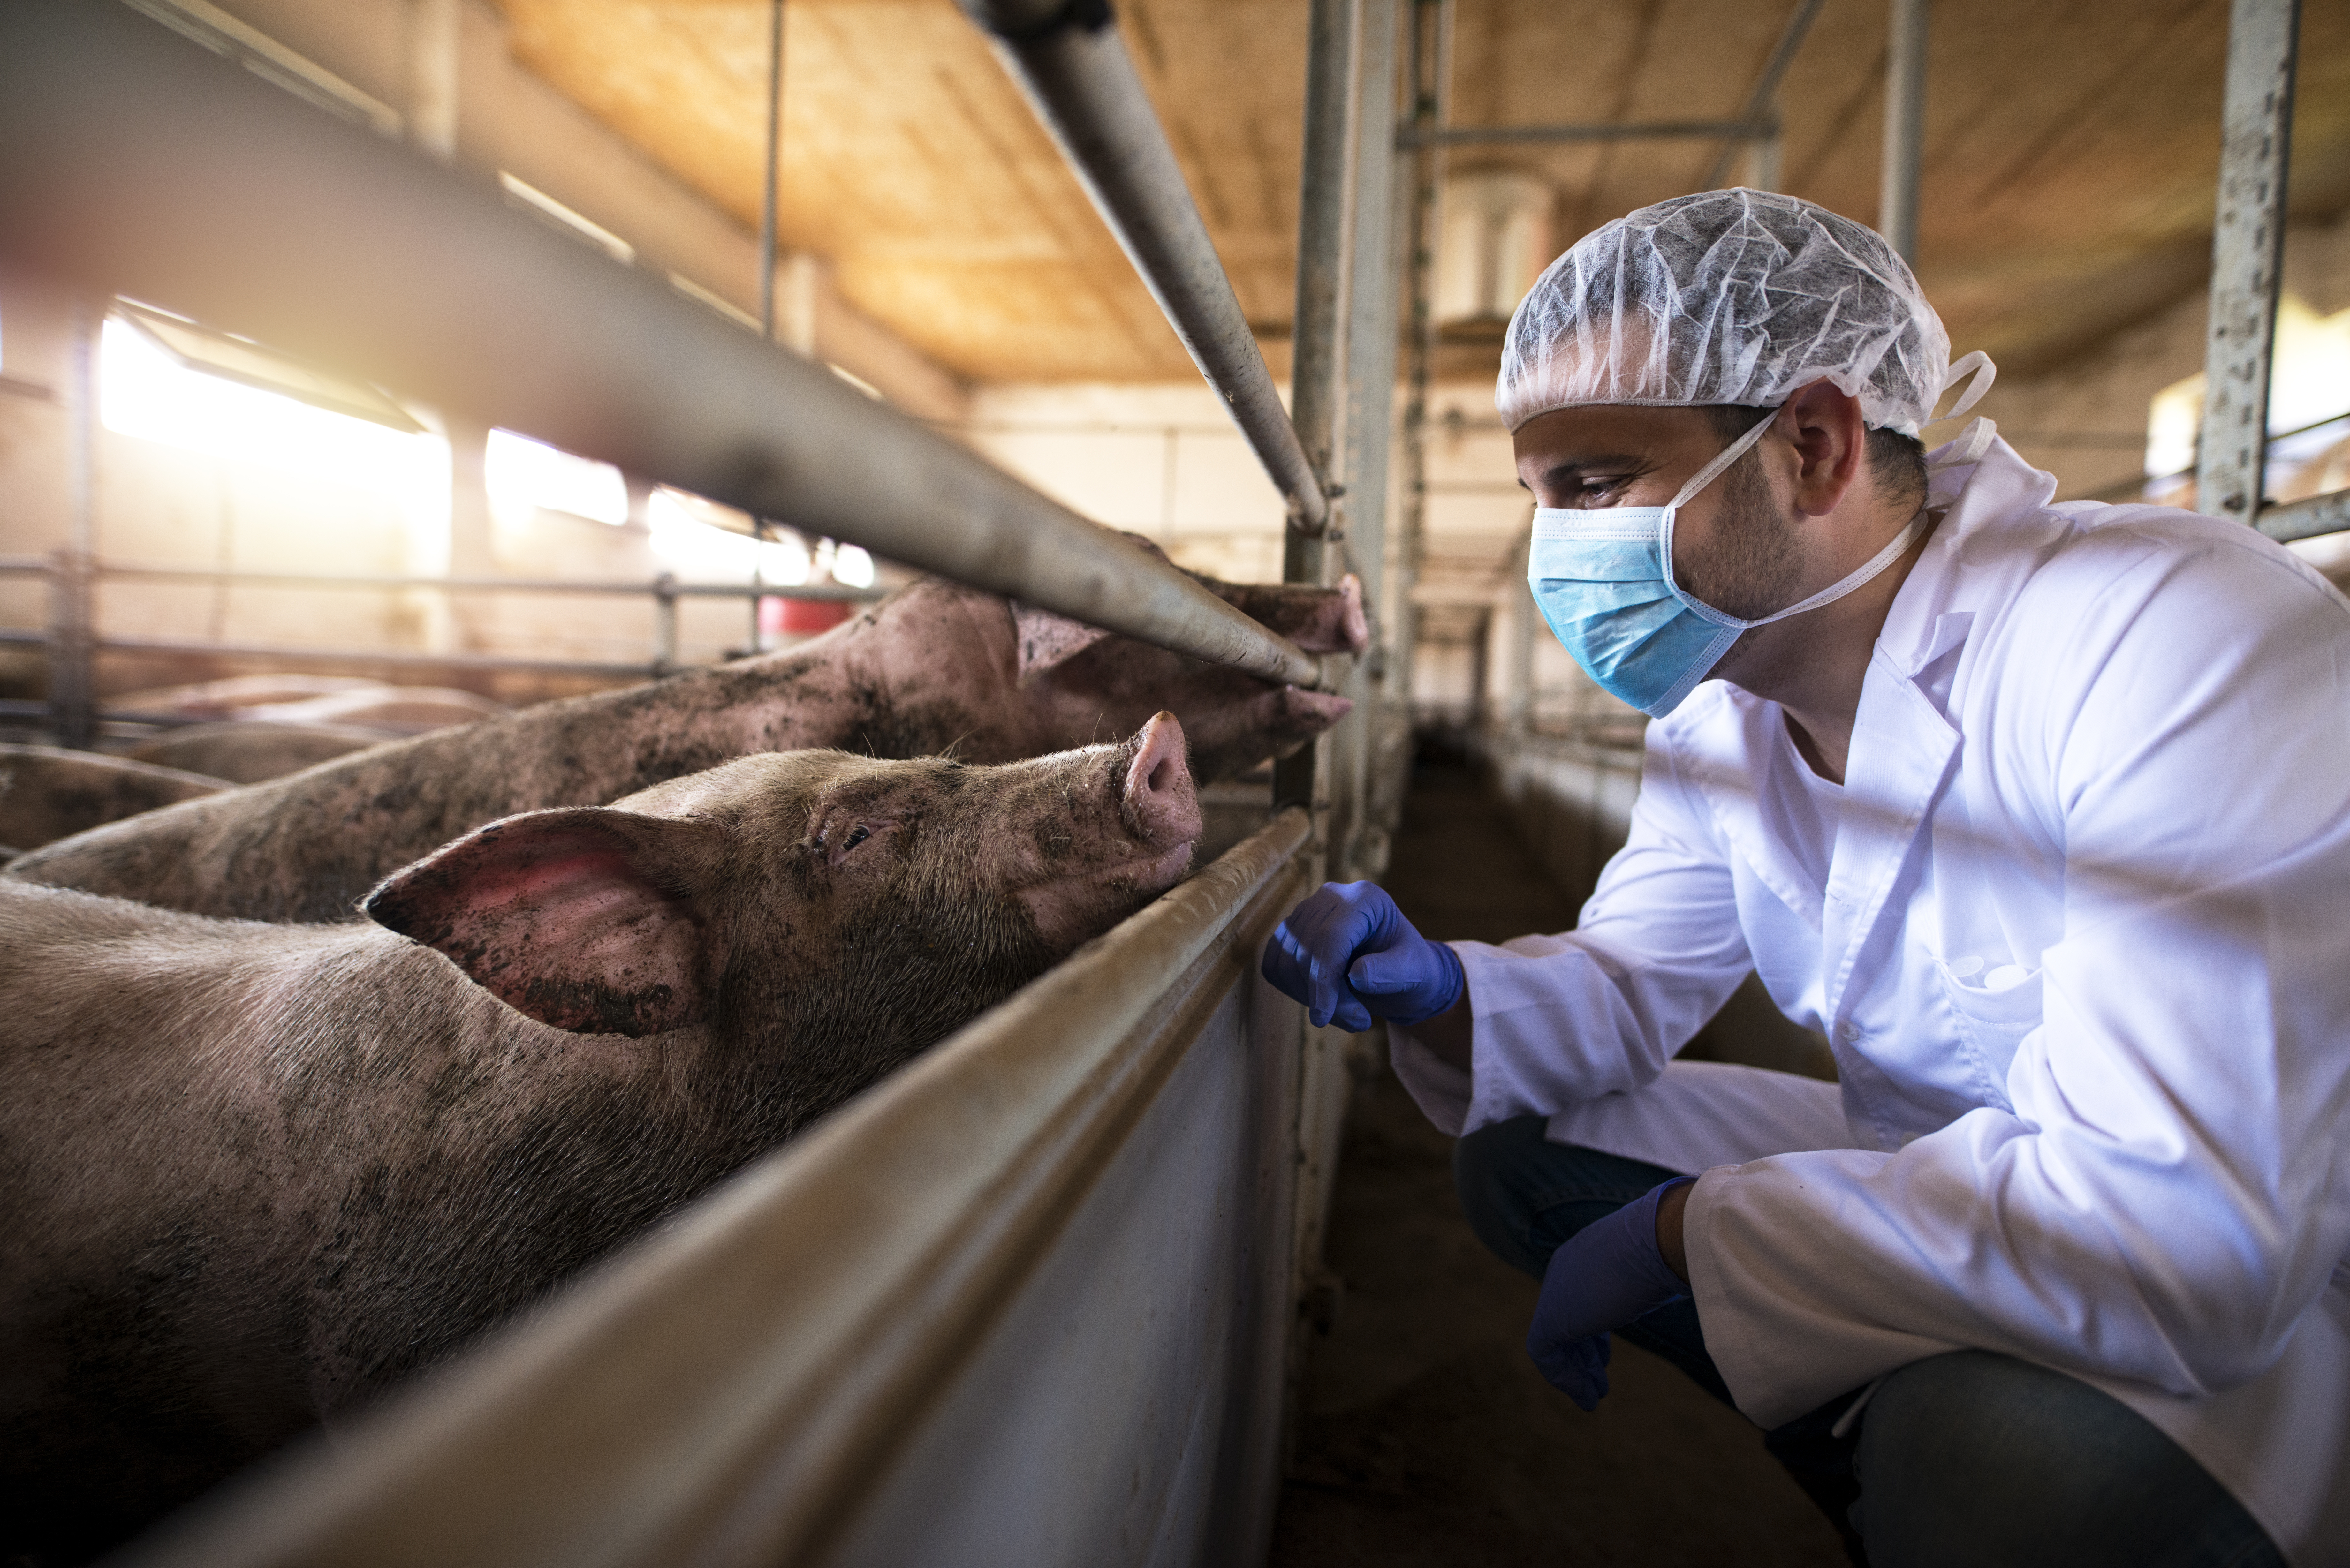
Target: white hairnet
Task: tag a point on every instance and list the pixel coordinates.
(1731, 297)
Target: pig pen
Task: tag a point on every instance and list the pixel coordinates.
(1028, 1302)
(1034, 1299)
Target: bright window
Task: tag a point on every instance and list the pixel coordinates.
(144, 391)
(524, 477)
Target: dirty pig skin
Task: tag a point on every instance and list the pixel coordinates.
(935, 669)
(251, 1176)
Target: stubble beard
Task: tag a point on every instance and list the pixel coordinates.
(1754, 569)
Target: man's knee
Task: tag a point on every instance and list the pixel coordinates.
(1977, 1458)
(1491, 1171)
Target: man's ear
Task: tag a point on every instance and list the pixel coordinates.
(584, 918)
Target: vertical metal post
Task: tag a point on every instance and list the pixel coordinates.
(1358, 844)
(1766, 153)
(1317, 343)
(71, 700)
(767, 199)
(433, 69)
(1432, 72)
(2247, 255)
(1905, 126)
(665, 623)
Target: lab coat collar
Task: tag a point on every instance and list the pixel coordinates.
(1903, 742)
(1989, 538)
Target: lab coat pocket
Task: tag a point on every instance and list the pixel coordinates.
(1993, 1010)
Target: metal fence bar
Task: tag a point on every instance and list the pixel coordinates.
(1759, 124)
(187, 646)
(1068, 56)
(1412, 136)
(2307, 519)
(766, 1397)
(194, 575)
(1359, 845)
(1317, 343)
(2247, 255)
(1904, 127)
(137, 161)
(27, 565)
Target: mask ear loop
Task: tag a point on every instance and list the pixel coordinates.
(1976, 439)
(1696, 486)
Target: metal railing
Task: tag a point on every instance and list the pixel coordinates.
(116, 135)
(665, 591)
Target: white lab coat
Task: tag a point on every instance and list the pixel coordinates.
(2083, 959)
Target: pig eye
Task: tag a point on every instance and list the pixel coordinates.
(856, 838)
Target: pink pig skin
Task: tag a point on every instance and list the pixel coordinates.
(935, 669)
(258, 1175)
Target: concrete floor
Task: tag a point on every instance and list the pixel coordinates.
(1425, 1437)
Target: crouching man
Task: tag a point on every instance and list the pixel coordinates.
(2040, 812)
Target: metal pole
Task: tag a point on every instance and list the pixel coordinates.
(1068, 58)
(1431, 61)
(1759, 111)
(71, 699)
(1766, 153)
(1904, 127)
(2247, 255)
(1317, 343)
(1413, 136)
(142, 163)
(767, 198)
(1359, 846)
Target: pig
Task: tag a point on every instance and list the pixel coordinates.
(254, 1176)
(48, 792)
(248, 751)
(934, 668)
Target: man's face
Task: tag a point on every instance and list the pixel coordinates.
(1733, 542)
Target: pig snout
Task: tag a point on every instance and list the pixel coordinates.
(1160, 805)
(1108, 839)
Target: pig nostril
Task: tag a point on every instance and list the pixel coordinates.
(1160, 777)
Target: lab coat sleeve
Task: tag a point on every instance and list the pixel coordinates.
(2169, 1193)
(1600, 1009)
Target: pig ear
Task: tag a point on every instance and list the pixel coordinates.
(1046, 639)
(579, 918)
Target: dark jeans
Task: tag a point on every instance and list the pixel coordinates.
(1970, 1457)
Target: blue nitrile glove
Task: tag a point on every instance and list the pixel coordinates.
(1602, 1277)
(1349, 954)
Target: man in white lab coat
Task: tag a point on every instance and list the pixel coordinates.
(2040, 812)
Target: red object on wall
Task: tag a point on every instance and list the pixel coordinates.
(781, 615)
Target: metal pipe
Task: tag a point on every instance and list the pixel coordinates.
(70, 676)
(141, 162)
(1358, 844)
(192, 646)
(657, 587)
(1760, 120)
(775, 172)
(1412, 136)
(2307, 519)
(2246, 256)
(1431, 86)
(1317, 346)
(1069, 61)
(1904, 127)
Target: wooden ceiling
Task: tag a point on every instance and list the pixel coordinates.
(2070, 147)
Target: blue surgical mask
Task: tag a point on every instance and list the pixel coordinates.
(1604, 580)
